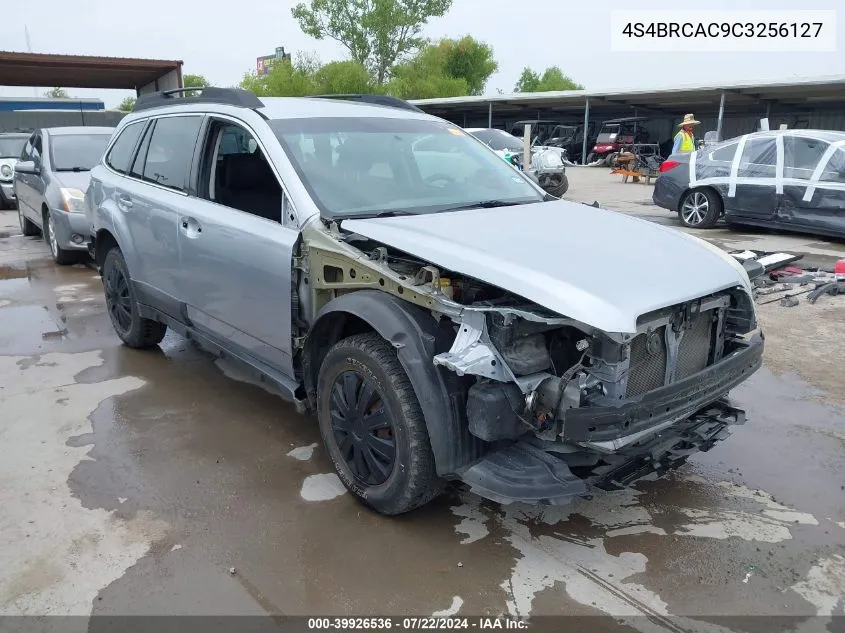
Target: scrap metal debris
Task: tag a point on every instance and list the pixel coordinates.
(772, 276)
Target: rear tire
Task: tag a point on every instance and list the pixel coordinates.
(373, 428)
(700, 209)
(122, 305)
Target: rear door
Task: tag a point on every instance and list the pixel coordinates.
(752, 193)
(236, 254)
(814, 189)
(150, 200)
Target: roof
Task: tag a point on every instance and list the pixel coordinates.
(679, 100)
(78, 129)
(306, 107)
(78, 71)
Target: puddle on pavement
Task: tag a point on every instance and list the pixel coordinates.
(30, 326)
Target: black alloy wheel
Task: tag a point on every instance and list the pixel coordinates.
(118, 300)
(132, 328)
(362, 428)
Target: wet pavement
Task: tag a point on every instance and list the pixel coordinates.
(160, 482)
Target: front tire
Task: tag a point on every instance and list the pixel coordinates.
(122, 305)
(700, 209)
(61, 256)
(28, 227)
(373, 428)
(558, 185)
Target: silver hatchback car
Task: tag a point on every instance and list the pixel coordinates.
(444, 318)
(51, 178)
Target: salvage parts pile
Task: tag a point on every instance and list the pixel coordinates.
(540, 407)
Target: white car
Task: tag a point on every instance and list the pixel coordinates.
(546, 168)
(11, 146)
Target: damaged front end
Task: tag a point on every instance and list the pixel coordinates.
(558, 405)
(569, 406)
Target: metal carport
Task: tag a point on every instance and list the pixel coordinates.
(78, 71)
(812, 102)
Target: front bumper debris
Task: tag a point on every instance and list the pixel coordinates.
(525, 472)
(609, 426)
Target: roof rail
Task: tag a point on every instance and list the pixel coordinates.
(383, 100)
(227, 96)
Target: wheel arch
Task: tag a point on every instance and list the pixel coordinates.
(417, 337)
(105, 241)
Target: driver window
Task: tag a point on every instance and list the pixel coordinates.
(239, 175)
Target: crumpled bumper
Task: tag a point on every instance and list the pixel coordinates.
(611, 425)
(610, 447)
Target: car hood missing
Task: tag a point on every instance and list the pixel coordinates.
(602, 268)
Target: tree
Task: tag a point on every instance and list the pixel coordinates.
(57, 93)
(343, 78)
(424, 77)
(127, 105)
(286, 78)
(377, 33)
(195, 81)
(469, 59)
(446, 68)
(551, 79)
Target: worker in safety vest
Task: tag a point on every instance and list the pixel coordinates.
(684, 139)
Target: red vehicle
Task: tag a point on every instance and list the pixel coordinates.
(615, 134)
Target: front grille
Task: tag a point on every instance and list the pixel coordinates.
(694, 350)
(647, 371)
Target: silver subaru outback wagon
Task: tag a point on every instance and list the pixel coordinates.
(444, 318)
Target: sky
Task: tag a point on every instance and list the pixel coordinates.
(221, 40)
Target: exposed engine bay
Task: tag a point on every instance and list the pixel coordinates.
(559, 399)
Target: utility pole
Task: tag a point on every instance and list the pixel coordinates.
(29, 50)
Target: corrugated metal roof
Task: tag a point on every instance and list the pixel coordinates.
(740, 97)
(833, 82)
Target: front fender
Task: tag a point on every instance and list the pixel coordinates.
(417, 337)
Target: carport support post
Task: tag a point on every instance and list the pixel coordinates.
(586, 127)
(721, 115)
(489, 114)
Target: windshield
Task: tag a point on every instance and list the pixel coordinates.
(367, 166)
(499, 140)
(12, 146)
(77, 152)
(608, 134)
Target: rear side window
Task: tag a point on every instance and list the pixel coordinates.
(171, 148)
(124, 147)
(724, 154)
(759, 158)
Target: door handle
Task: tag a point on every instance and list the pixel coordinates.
(124, 202)
(190, 227)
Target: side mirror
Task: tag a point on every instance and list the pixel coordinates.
(26, 167)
